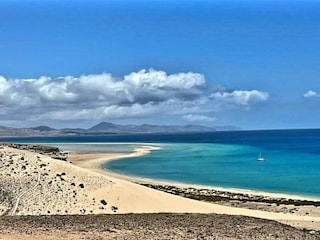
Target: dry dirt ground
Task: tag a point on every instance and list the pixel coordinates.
(148, 226)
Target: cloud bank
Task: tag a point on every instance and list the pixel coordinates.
(104, 97)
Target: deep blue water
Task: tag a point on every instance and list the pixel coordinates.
(226, 159)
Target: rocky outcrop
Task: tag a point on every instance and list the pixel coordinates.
(53, 152)
(149, 226)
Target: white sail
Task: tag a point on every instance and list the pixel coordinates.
(260, 158)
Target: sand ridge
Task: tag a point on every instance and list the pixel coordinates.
(38, 185)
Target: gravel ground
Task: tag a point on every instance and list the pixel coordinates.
(148, 226)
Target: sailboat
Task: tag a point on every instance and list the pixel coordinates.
(260, 158)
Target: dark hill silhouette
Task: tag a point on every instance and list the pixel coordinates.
(147, 128)
(43, 128)
(108, 128)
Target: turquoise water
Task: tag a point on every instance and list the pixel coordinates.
(232, 166)
(223, 159)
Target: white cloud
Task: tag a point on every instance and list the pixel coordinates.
(194, 118)
(236, 98)
(104, 97)
(311, 94)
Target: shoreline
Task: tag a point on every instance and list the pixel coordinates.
(300, 216)
(83, 188)
(95, 162)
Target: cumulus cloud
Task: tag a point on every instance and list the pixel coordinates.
(311, 94)
(230, 99)
(102, 96)
(194, 117)
(241, 97)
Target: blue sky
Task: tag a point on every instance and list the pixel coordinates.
(251, 64)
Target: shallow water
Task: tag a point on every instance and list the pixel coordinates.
(232, 166)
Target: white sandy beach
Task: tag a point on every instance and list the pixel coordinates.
(40, 185)
(94, 161)
(169, 203)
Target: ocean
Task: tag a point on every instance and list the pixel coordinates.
(221, 159)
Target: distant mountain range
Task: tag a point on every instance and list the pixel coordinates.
(109, 128)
